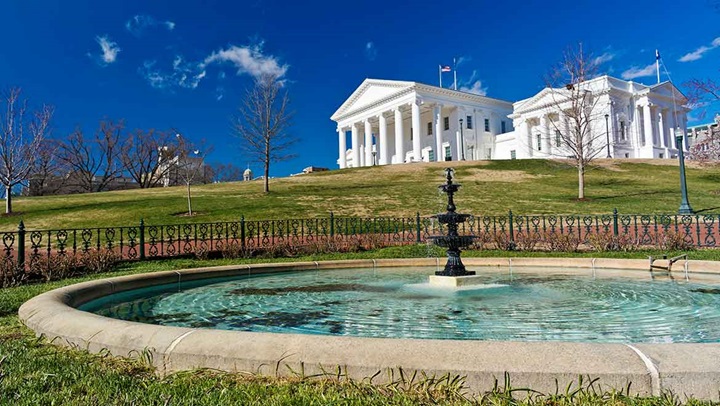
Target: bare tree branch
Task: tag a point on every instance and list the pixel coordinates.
(20, 138)
(145, 156)
(263, 123)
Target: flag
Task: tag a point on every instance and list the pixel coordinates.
(657, 54)
(445, 68)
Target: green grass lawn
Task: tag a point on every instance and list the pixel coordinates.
(34, 372)
(489, 187)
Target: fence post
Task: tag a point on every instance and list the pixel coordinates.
(512, 230)
(417, 224)
(616, 231)
(242, 231)
(21, 245)
(332, 225)
(141, 235)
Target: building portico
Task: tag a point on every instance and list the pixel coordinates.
(410, 122)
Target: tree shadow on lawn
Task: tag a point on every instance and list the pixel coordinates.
(648, 193)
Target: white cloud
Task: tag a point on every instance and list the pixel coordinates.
(110, 49)
(248, 59)
(219, 93)
(605, 57)
(139, 23)
(461, 60)
(183, 74)
(475, 88)
(636, 72)
(370, 51)
(698, 53)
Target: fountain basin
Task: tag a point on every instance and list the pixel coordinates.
(685, 368)
(452, 241)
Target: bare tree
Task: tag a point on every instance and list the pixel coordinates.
(45, 177)
(20, 137)
(575, 108)
(226, 172)
(263, 123)
(189, 165)
(96, 162)
(146, 156)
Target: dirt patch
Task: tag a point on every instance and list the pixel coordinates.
(508, 176)
(185, 214)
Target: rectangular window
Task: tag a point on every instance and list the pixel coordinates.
(513, 155)
(539, 143)
(446, 123)
(487, 124)
(489, 154)
(622, 131)
(429, 128)
(502, 127)
(558, 138)
(448, 153)
(411, 134)
(431, 156)
(469, 122)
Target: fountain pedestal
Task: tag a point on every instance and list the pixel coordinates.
(453, 241)
(455, 281)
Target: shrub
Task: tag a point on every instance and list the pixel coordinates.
(98, 261)
(502, 241)
(527, 241)
(235, 251)
(562, 242)
(10, 273)
(607, 241)
(671, 240)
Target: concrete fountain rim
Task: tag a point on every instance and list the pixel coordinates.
(690, 369)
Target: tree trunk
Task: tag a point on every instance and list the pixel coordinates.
(189, 200)
(8, 200)
(267, 177)
(581, 180)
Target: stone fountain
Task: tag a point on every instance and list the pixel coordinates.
(454, 273)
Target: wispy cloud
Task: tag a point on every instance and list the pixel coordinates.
(182, 74)
(219, 93)
(605, 57)
(110, 49)
(248, 60)
(700, 52)
(137, 25)
(371, 51)
(473, 85)
(637, 72)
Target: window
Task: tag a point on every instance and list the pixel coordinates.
(487, 124)
(429, 129)
(513, 155)
(622, 131)
(539, 143)
(448, 153)
(446, 123)
(469, 122)
(431, 156)
(558, 138)
(411, 134)
(489, 154)
(502, 127)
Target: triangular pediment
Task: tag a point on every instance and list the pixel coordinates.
(670, 91)
(371, 91)
(544, 98)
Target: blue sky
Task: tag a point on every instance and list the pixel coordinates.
(186, 64)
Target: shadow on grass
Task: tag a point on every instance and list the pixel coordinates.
(648, 193)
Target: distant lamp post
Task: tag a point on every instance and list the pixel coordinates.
(684, 204)
(462, 146)
(607, 135)
(374, 153)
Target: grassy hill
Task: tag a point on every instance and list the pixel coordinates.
(489, 187)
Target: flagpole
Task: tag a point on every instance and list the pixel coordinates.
(657, 64)
(440, 74)
(455, 74)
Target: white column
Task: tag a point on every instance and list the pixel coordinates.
(342, 148)
(355, 139)
(399, 146)
(437, 117)
(384, 152)
(647, 116)
(661, 129)
(683, 128)
(530, 141)
(417, 131)
(544, 135)
(368, 143)
(458, 148)
(521, 129)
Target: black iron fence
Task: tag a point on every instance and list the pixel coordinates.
(510, 231)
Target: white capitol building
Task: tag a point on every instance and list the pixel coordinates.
(395, 122)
